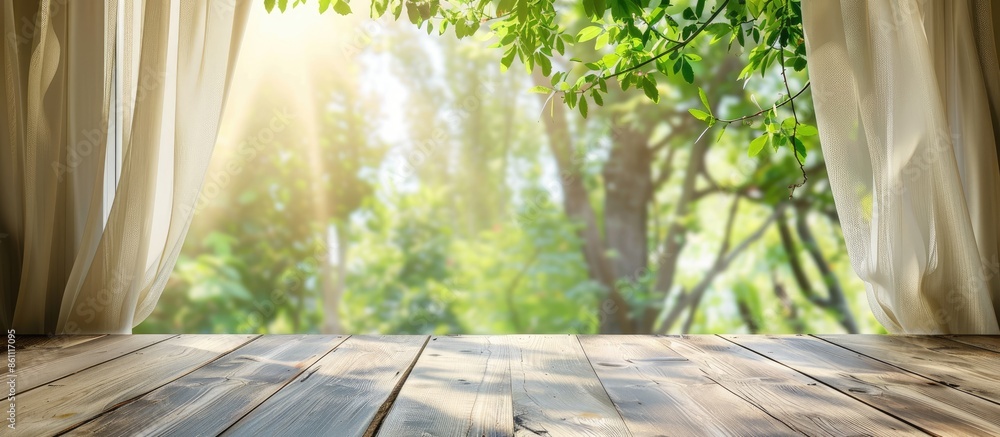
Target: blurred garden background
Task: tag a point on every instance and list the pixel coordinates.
(372, 178)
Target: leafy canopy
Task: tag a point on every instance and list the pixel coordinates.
(634, 43)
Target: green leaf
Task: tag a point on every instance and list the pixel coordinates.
(588, 33)
(282, 4)
(722, 132)
(397, 9)
(543, 61)
(800, 148)
(701, 115)
(540, 89)
(649, 87)
(602, 41)
(757, 145)
(522, 8)
(719, 31)
(687, 72)
(414, 15)
(324, 5)
(379, 7)
(268, 5)
(704, 100)
(597, 7)
(610, 59)
(507, 59)
(806, 130)
(788, 124)
(341, 7)
(583, 106)
(799, 64)
(505, 6)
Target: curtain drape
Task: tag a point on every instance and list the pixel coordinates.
(905, 94)
(64, 266)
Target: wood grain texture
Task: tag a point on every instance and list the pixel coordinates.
(25, 343)
(343, 394)
(555, 391)
(797, 400)
(981, 341)
(460, 386)
(40, 366)
(930, 406)
(66, 403)
(659, 392)
(524, 385)
(209, 400)
(969, 369)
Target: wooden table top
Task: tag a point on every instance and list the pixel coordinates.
(524, 385)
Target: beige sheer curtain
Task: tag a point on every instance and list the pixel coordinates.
(906, 98)
(64, 267)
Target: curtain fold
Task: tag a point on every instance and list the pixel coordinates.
(906, 97)
(64, 267)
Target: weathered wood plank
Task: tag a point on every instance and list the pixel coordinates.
(556, 391)
(64, 404)
(40, 366)
(31, 342)
(932, 407)
(954, 364)
(797, 400)
(209, 400)
(460, 386)
(343, 394)
(988, 342)
(659, 392)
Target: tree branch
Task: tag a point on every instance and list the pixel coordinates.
(674, 47)
(835, 294)
(795, 264)
(665, 172)
(795, 128)
(762, 111)
(747, 316)
(787, 305)
(692, 299)
(718, 267)
(676, 233)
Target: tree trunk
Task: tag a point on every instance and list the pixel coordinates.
(613, 312)
(627, 185)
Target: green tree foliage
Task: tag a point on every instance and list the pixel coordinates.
(494, 210)
(636, 44)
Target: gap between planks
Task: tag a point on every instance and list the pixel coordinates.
(932, 407)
